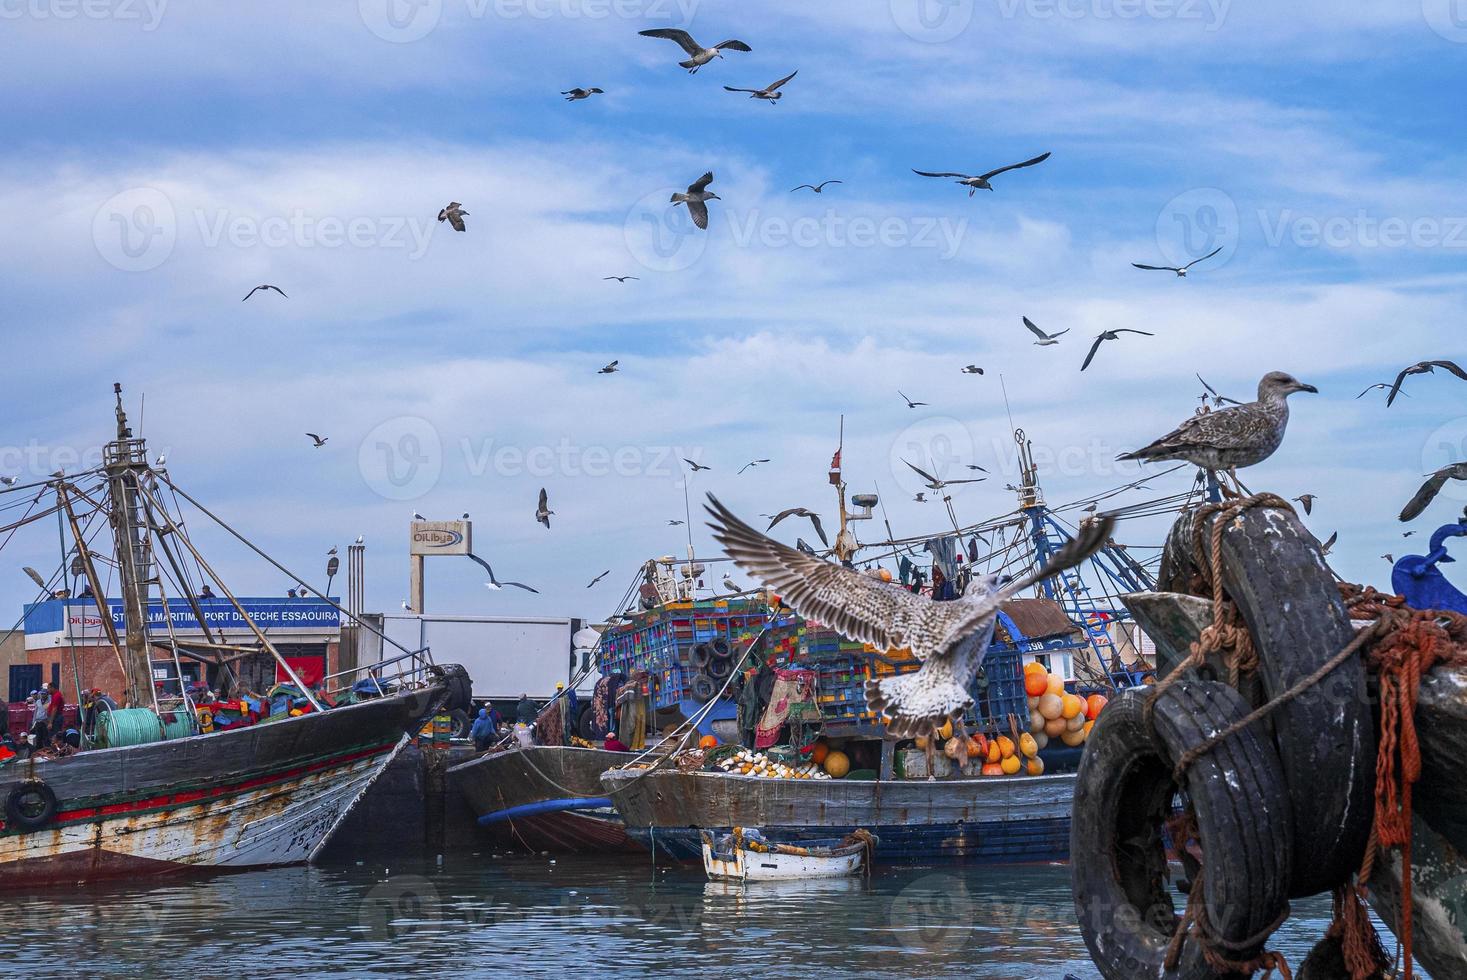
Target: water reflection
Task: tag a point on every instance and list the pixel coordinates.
(540, 916)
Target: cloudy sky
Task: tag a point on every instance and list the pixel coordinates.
(161, 158)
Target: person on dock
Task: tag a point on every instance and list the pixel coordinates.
(55, 707)
(483, 730)
(571, 714)
(614, 744)
(632, 719)
(526, 711)
(40, 711)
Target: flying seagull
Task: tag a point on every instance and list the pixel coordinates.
(698, 56)
(543, 511)
(975, 466)
(610, 368)
(1307, 499)
(696, 466)
(317, 441)
(1231, 437)
(801, 512)
(1389, 557)
(1433, 485)
(1218, 400)
(1109, 335)
(817, 188)
(599, 577)
(950, 638)
(577, 94)
(674, 523)
(1379, 385)
(974, 182)
(697, 198)
(754, 462)
(264, 286)
(1180, 270)
(620, 278)
(972, 369)
(1329, 543)
(494, 583)
(1423, 367)
(921, 497)
(1045, 339)
(910, 403)
(933, 483)
(771, 94)
(454, 214)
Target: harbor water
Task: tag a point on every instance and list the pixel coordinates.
(486, 914)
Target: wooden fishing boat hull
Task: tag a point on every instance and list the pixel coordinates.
(269, 794)
(545, 798)
(1012, 820)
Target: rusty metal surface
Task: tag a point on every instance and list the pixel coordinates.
(268, 794)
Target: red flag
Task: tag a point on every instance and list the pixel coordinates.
(835, 469)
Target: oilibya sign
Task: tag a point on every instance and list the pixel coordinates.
(440, 538)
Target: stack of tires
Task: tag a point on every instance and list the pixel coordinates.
(713, 662)
(1280, 810)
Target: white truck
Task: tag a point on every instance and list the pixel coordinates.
(506, 656)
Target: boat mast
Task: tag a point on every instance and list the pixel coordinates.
(845, 541)
(124, 460)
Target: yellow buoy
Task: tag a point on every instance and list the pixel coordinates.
(1028, 746)
(837, 764)
(1035, 766)
(1010, 765)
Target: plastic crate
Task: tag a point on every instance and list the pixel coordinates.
(1004, 695)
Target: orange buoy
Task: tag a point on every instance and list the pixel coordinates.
(837, 764)
(708, 742)
(1056, 685)
(1036, 683)
(992, 769)
(1010, 765)
(1094, 704)
(1071, 706)
(821, 750)
(1035, 766)
(1006, 747)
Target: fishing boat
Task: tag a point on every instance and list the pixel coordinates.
(707, 656)
(545, 798)
(161, 783)
(746, 855)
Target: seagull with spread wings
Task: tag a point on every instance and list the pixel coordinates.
(752, 462)
(696, 198)
(698, 56)
(801, 512)
(1109, 335)
(599, 577)
(1422, 367)
(577, 94)
(770, 94)
(976, 181)
(621, 279)
(910, 403)
(454, 214)
(696, 466)
(542, 510)
(1417, 505)
(933, 483)
(1045, 339)
(495, 585)
(317, 441)
(950, 638)
(610, 368)
(817, 188)
(265, 286)
(1379, 386)
(1180, 270)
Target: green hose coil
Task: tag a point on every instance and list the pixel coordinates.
(124, 727)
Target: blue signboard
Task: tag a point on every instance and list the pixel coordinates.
(301, 615)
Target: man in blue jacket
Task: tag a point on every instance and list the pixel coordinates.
(483, 730)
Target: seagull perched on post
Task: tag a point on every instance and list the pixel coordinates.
(1109, 335)
(974, 182)
(697, 198)
(1422, 367)
(543, 511)
(264, 286)
(1045, 339)
(1231, 438)
(454, 214)
(770, 94)
(698, 56)
(950, 638)
(933, 483)
(817, 188)
(1180, 270)
(577, 94)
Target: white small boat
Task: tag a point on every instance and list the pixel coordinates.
(745, 855)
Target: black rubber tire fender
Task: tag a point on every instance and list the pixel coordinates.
(586, 723)
(700, 655)
(719, 669)
(461, 724)
(21, 801)
(704, 689)
(1325, 738)
(722, 649)
(1124, 792)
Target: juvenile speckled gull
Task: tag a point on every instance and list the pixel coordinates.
(950, 638)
